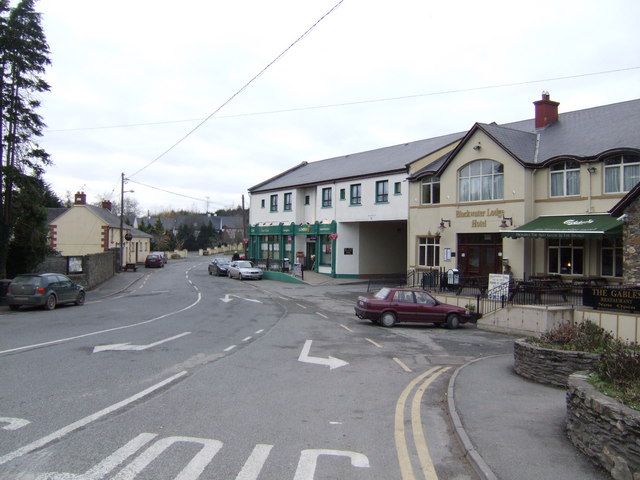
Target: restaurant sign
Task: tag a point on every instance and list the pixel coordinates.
(604, 298)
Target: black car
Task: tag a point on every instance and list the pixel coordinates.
(43, 289)
(219, 266)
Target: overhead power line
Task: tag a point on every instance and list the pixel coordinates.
(346, 104)
(244, 87)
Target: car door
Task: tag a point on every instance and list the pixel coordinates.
(426, 309)
(404, 305)
(64, 288)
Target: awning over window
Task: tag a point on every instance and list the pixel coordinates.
(568, 226)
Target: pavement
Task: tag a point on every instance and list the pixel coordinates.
(509, 427)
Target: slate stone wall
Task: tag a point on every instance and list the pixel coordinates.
(631, 245)
(605, 430)
(549, 366)
(97, 268)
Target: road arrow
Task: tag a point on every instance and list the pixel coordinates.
(330, 361)
(227, 298)
(13, 423)
(135, 348)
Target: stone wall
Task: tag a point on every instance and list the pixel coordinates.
(605, 430)
(549, 366)
(631, 244)
(96, 267)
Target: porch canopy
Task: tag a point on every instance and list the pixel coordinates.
(568, 226)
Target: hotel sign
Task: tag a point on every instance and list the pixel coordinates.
(603, 298)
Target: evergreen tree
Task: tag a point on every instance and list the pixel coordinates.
(23, 59)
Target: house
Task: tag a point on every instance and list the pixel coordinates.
(534, 195)
(86, 229)
(344, 216)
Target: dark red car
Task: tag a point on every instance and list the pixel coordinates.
(394, 305)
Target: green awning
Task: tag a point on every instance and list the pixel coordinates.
(568, 226)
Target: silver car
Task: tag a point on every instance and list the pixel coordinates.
(243, 269)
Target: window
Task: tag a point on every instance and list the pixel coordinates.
(326, 197)
(611, 257)
(621, 173)
(481, 180)
(382, 191)
(287, 201)
(564, 179)
(274, 203)
(262, 203)
(430, 190)
(307, 199)
(397, 188)
(325, 250)
(566, 256)
(356, 194)
(343, 194)
(428, 251)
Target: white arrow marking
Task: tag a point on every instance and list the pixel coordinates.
(136, 348)
(331, 362)
(13, 423)
(227, 298)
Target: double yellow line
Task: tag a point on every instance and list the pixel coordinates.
(426, 464)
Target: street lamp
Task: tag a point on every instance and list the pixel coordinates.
(122, 192)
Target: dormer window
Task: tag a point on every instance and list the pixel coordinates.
(564, 179)
(621, 173)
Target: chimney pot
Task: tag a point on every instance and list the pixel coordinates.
(106, 204)
(546, 111)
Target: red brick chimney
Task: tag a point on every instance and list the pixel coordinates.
(106, 204)
(80, 199)
(546, 111)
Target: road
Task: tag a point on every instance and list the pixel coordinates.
(188, 376)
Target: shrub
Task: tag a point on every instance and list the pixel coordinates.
(617, 373)
(583, 337)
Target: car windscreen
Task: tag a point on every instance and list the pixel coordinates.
(244, 265)
(26, 280)
(382, 293)
(222, 261)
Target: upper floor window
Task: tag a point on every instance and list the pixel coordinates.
(621, 173)
(430, 190)
(274, 203)
(287, 201)
(564, 179)
(481, 180)
(397, 188)
(343, 194)
(382, 191)
(326, 197)
(307, 200)
(356, 194)
(262, 203)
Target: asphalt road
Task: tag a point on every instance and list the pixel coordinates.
(188, 376)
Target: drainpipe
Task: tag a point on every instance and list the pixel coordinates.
(591, 171)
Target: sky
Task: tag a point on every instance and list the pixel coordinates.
(196, 102)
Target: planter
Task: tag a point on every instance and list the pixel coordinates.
(547, 365)
(604, 429)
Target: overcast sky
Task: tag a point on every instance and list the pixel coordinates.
(131, 79)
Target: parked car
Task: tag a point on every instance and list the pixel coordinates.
(43, 289)
(153, 260)
(219, 266)
(394, 305)
(244, 269)
(163, 255)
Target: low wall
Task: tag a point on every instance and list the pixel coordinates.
(605, 430)
(96, 268)
(549, 366)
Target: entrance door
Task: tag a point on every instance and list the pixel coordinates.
(479, 253)
(311, 255)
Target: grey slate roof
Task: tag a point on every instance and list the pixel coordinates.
(582, 134)
(382, 160)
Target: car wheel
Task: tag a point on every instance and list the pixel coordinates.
(210, 272)
(388, 319)
(240, 276)
(80, 298)
(453, 320)
(14, 307)
(51, 302)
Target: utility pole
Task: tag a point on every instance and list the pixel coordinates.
(244, 227)
(122, 222)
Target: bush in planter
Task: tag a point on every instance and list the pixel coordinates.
(584, 337)
(617, 373)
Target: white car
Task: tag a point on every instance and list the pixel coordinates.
(243, 269)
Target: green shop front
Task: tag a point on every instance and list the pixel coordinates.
(279, 246)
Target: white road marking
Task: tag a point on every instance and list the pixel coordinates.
(259, 331)
(246, 339)
(402, 364)
(373, 342)
(13, 423)
(309, 458)
(330, 361)
(318, 313)
(135, 348)
(58, 434)
(255, 462)
(99, 332)
(346, 328)
(229, 348)
(301, 306)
